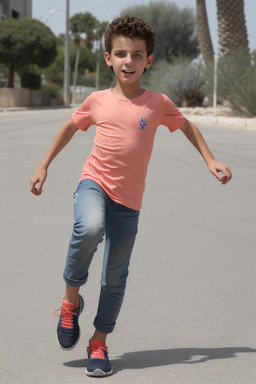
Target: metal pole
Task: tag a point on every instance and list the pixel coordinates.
(98, 68)
(216, 58)
(67, 60)
(97, 74)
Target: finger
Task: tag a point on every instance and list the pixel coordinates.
(224, 180)
(33, 190)
(228, 175)
(226, 171)
(33, 187)
(217, 175)
(39, 187)
(227, 179)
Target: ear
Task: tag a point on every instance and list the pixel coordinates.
(107, 57)
(150, 60)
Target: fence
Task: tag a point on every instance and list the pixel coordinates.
(22, 97)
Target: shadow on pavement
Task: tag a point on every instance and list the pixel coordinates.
(162, 357)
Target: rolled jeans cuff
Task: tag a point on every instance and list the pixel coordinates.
(75, 283)
(103, 327)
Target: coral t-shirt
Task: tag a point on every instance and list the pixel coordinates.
(123, 143)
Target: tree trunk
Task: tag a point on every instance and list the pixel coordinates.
(232, 29)
(203, 31)
(11, 74)
(76, 65)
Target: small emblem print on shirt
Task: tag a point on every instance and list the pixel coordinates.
(143, 124)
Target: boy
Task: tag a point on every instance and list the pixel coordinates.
(109, 195)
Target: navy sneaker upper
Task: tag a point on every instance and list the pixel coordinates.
(68, 331)
(98, 362)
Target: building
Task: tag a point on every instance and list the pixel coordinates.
(15, 9)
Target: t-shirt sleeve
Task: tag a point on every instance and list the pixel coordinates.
(172, 118)
(82, 116)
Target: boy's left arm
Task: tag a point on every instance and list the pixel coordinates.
(195, 137)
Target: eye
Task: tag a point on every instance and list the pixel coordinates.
(137, 55)
(119, 54)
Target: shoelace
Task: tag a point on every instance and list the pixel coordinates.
(98, 352)
(66, 314)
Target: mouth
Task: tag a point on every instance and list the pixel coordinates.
(128, 72)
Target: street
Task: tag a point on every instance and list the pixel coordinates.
(189, 312)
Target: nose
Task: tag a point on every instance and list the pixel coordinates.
(128, 60)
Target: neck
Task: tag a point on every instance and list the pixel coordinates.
(127, 91)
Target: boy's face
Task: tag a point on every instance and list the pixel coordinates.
(128, 58)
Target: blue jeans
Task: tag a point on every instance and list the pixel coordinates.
(95, 214)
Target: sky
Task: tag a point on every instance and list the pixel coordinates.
(52, 13)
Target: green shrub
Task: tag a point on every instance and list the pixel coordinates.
(236, 82)
(181, 80)
(52, 90)
(30, 77)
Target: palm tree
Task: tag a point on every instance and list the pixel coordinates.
(90, 24)
(203, 31)
(82, 23)
(76, 27)
(232, 29)
(100, 30)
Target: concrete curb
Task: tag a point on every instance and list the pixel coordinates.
(14, 109)
(22, 109)
(223, 121)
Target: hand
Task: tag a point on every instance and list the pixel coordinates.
(215, 167)
(37, 181)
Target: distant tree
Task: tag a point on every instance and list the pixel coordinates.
(203, 31)
(100, 30)
(86, 59)
(175, 29)
(90, 25)
(106, 77)
(232, 29)
(55, 72)
(24, 42)
(83, 27)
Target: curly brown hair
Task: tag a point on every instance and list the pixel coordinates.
(132, 27)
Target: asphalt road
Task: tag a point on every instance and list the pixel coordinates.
(189, 312)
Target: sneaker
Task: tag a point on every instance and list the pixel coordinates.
(68, 331)
(98, 362)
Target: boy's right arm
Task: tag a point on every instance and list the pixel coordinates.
(62, 138)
